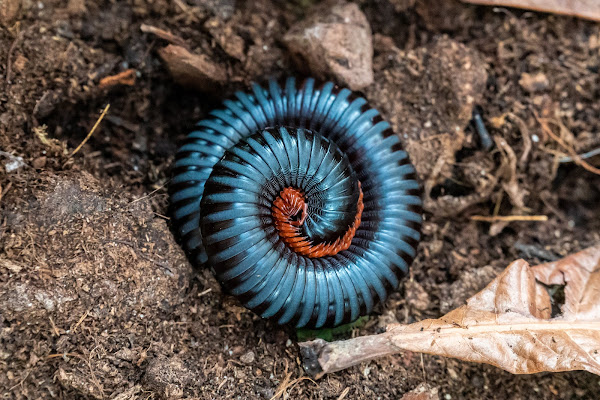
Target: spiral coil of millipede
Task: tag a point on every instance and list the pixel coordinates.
(301, 200)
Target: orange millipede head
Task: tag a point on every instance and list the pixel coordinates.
(290, 210)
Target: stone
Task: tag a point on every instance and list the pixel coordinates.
(334, 42)
(534, 83)
(248, 358)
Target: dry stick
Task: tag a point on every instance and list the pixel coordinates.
(526, 138)
(149, 194)
(344, 393)
(80, 321)
(163, 34)
(583, 156)
(126, 77)
(289, 384)
(55, 330)
(89, 135)
(509, 218)
(574, 156)
(498, 204)
(283, 383)
(10, 53)
(332, 357)
(20, 383)
(336, 356)
(3, 191)
(286, 384)
(64, 355)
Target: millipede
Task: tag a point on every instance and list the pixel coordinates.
(301, 200)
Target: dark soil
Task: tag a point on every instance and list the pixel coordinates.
(98, 301)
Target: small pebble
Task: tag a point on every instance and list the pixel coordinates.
(39, 162)
(334, 41)
(534, 82)
(248, 358)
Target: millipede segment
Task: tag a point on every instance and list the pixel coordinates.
(301, 200)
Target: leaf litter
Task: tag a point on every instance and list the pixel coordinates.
(588, 9)
(509, 324)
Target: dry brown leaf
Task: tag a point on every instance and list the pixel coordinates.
(508, 324)
(589, 9)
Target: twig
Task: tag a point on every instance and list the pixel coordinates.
(287, 384)
(93, 374)
(5, 190)
(10, 53)
(126, 77)
(163, 34)
(509, 166)
(89, 135)
(183, 6)
(80, 321)
(583, 156)
(509, 218)
(344, 393)
(148, 194)
(575, 157)
(55, 330)
(548, 201)
(526, 138)
(64, 355)
(21, 381)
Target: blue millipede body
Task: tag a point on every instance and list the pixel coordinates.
(327, 146)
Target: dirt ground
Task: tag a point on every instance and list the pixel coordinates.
(98, 301)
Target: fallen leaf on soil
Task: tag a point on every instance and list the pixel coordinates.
(508, 324)
(589, 9)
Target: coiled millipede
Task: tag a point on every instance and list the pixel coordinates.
(301, 200)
